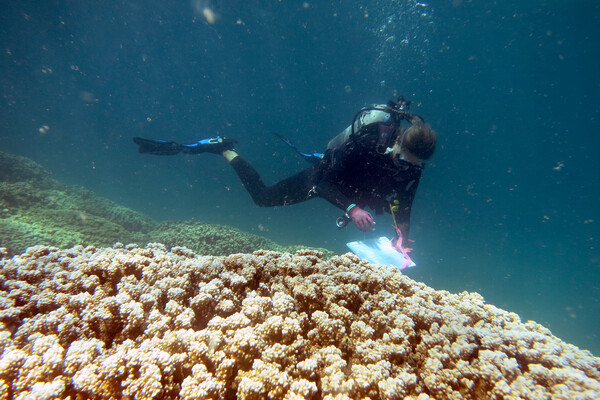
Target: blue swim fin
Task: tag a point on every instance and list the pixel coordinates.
(216, 145)
(158, 147)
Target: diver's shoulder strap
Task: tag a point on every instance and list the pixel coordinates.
(385, 138)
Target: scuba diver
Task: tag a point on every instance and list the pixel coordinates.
(375, 162)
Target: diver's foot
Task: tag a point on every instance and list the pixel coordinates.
(216, 145)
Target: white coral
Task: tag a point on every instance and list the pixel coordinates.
(146, 323)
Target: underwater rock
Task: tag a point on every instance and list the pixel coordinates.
(127, 321)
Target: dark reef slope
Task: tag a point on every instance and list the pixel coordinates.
(36, 209)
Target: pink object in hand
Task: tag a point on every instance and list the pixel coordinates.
(404, 251)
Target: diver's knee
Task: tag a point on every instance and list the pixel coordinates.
(262, 203)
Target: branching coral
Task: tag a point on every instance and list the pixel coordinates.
(148, 323)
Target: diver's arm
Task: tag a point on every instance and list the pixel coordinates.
(331, 168)
(332, 194)
(332, 171)
(334, 166)
(362, 219)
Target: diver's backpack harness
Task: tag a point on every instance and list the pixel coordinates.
(393, 112)
(396, 111)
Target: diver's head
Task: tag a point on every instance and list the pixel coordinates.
(414, 145)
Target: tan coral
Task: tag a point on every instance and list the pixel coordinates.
(36, 376)
(146, 323)
(201, 384)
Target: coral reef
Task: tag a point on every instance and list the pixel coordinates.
(215, 240)
(146, 323)
(85, 201)
(15, 168)
(38, 210)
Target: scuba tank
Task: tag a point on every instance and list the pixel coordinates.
(365, 117)
(376, 113)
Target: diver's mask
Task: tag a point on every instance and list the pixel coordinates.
(406, 161)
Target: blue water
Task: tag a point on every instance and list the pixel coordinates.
(508, 207)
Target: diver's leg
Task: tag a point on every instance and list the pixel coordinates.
(294, 189)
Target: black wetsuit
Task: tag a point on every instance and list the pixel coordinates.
(352, 173)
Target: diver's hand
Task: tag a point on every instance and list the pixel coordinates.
(362, 219)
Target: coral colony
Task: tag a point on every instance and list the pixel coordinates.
(127, 322)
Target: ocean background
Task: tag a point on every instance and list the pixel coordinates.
(509, 206)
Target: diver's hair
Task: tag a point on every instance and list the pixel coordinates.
(420, 140)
